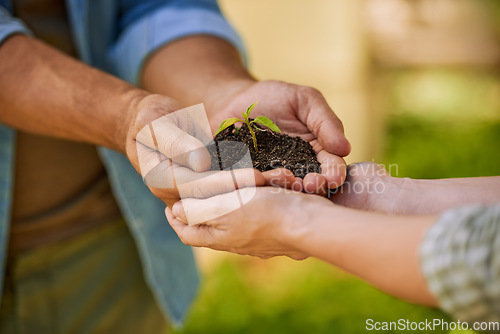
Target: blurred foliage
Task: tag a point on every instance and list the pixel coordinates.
(440, 150)
(244, 295)
(493, 8)
(441, 123)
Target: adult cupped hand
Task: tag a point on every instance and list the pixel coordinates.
(167, 145)
(298, 111)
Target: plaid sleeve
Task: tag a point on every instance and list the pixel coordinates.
(461, 261)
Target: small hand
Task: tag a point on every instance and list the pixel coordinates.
(257, 228)
(298, 111)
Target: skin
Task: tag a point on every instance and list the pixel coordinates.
(380, 247)
(392, 195)
(215, 75)
(71, 99)
(74, 101)
(48, 93)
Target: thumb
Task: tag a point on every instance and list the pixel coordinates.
(204, 211)
(164, 136)
(323, 123)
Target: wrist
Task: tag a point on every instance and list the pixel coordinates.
(219, 96)
(130, 104)
(424, 197)
(197, 68)
(377, 191)
(403, 196)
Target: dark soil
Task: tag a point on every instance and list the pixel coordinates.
(275, 150)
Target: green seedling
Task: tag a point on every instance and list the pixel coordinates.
(260, 120)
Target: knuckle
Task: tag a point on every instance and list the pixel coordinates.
(171, 145)
(199, 191)
(311, 91)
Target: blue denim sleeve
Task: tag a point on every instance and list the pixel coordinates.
(139, 37)
(10, 25)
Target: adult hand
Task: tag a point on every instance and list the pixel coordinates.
(167, 145)
(298, 111)
(257, 228)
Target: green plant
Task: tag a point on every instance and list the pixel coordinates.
(260, 120)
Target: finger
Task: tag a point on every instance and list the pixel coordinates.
(333, 168)
(149, 159)
(201, 185)
(298, 185)
(207, 211)
(218, 182)
(279, 177)
(189, 235)
(164, 136)
(322, 122)
(176, 221)
(203, 211)
(315, 183)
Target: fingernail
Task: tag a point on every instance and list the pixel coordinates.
(193, 160)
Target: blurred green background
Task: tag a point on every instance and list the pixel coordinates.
(433, 118)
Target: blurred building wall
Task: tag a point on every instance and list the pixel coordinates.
(319, 43)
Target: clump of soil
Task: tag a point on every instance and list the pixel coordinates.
(275, 150)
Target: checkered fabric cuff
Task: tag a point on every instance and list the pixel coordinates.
(461, 261)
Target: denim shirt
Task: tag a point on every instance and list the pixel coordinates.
(116, 36)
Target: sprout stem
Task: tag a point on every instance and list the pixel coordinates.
(253, 136)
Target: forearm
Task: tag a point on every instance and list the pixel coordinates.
(435, 196)
(381, 249)
(45, 92)
(196, 69)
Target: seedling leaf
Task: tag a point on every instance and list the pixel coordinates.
(249, 109)
(260, 120)
(245, 117)
(267, 122)
(227, 123)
